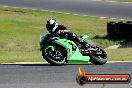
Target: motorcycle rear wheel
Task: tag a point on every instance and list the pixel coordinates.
(98, 59)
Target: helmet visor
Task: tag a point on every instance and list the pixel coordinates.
(50, 27)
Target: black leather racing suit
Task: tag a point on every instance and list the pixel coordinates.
(63, 32)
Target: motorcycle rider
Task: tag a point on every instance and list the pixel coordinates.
(54, 28)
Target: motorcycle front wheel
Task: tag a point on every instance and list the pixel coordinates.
(54, 57)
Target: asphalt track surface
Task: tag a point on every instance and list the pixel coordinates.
(83, 7)
(47, 76)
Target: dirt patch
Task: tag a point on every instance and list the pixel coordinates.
(113, 47)
(11, 45)
(92, 42)
(122, 45)
(29, 46)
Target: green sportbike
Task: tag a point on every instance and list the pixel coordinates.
(58, 51)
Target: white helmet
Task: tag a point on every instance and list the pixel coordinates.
(51, 25)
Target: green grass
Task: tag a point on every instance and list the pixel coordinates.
(20, 29)
(21, 57)
(121, 54)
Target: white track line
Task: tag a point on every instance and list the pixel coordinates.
(118, 61)
(112, 1)
(120, 2)
(67, 13)
(47, 62)
(26, 63)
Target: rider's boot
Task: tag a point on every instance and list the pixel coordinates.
(85, 48)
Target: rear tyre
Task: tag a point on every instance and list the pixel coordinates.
(98, 57)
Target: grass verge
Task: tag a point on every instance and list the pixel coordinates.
(20, 57)
(121, 54)
(20, 29)
(123, 0)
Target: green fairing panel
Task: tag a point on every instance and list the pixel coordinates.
(42, 36)
(74, 56)
(65, 43)
(85, 38)
(78, 58)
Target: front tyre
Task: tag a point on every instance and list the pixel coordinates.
(53, 54)
(98, 56)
